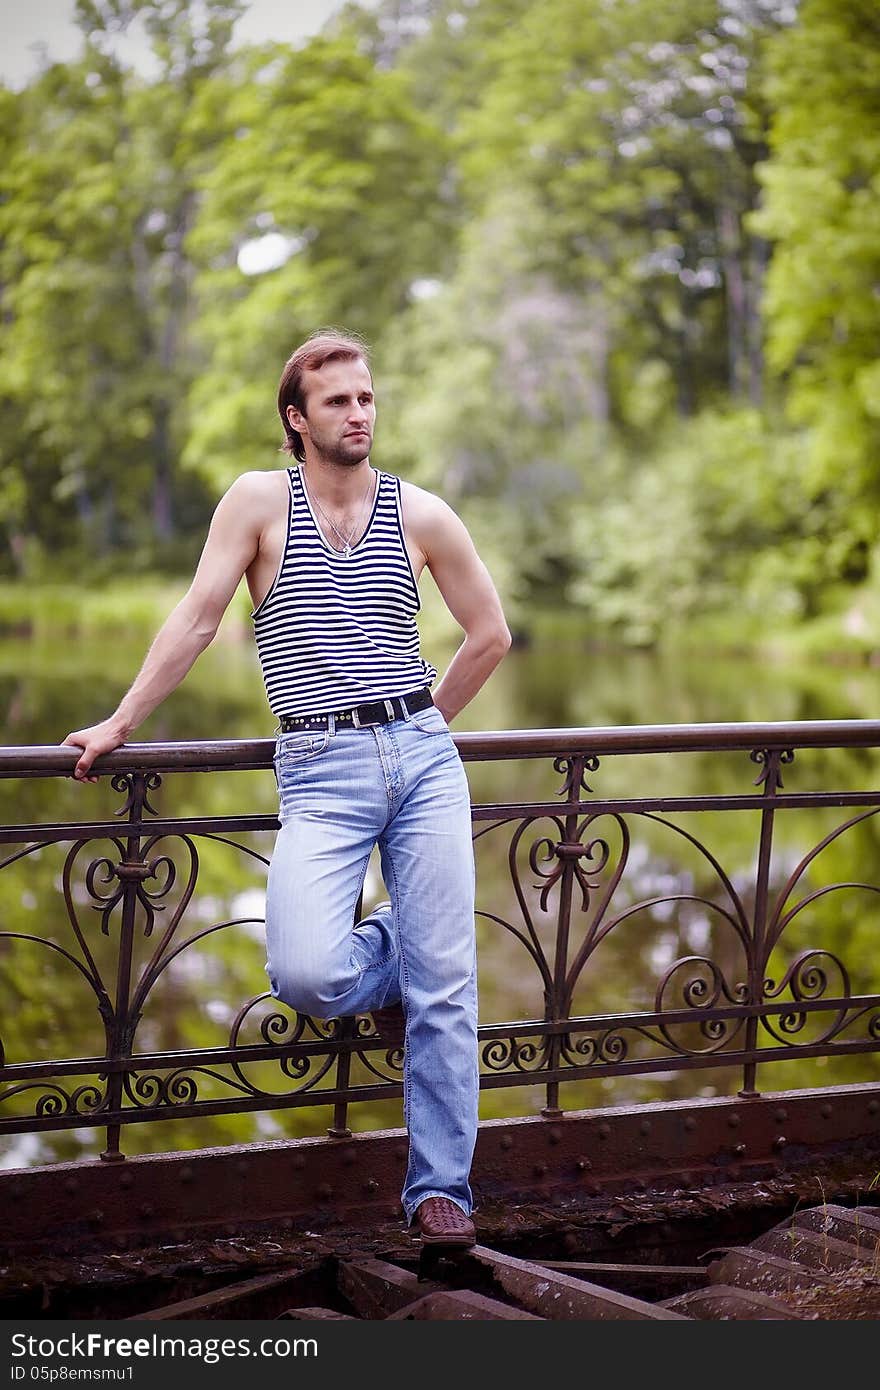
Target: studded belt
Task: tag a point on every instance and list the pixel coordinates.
(362, 716)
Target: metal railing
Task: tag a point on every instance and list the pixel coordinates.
(755, 991)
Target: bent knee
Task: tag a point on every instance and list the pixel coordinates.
(306, 991)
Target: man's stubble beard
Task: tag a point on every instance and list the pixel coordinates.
(334, 454)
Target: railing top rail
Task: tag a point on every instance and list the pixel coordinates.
(52, 760)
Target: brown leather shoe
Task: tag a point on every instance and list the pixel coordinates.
(440, 1221)
(391, 1024)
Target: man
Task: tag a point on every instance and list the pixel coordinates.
(332, 551)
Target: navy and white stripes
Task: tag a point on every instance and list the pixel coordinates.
(334, 632)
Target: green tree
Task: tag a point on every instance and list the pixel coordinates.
(332, 160)
(822, 210)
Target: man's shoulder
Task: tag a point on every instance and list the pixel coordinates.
(257, 487)
(420, 502)
(261, 480)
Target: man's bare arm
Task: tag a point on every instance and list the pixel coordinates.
(230, 547)
(470, 595)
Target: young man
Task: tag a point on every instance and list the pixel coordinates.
(332, 551)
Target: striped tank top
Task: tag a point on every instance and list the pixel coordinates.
(333, 632)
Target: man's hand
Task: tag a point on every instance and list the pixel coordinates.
(101, 738)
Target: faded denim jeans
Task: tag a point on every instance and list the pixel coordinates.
(401, 786)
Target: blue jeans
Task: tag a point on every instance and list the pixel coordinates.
(401, 786)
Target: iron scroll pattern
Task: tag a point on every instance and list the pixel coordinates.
(567, 874)
(130, 894)
(129, 921)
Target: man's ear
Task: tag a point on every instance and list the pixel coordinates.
(297, 420)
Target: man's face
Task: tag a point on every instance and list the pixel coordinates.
(340, 412)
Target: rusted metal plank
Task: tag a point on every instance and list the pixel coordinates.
(815, 1249)
(264, 1296)
(756, 1269)
(460, 1305)
(723, 1302)
(355, 1182)
(316, 1315)
(558, 1296)
(642, 1272)
(858, 1224)
(376, 1288)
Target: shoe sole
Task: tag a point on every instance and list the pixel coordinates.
(457, 1242)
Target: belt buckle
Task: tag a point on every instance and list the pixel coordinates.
(372, 723)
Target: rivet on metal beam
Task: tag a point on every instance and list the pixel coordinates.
(400, 1155)
(145, 1211)
(371, 1186)
(873, 1107)
(186, 1175)
(554, 1134)
(70, 1185)
(325, 1192)
(645, 1127)
(349, 1158)
(539, 1170)
(126, 1179)
(690, 1122)
(739, 1149)
(298, 1162)
(734, 1120)
(780, 1115)
(583, 1165)
(507, 1141)
(604, 1131)
(780, 1141)
(241, 1167)
(826, 1111)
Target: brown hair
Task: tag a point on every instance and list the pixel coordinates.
(324, 345)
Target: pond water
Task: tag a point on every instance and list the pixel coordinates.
(48, 689)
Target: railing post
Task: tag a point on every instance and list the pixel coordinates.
(552, 1005)
(769, 780)
(131, 871)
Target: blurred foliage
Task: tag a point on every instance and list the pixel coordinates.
(618, 265)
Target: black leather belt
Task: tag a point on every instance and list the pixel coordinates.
(362, 716)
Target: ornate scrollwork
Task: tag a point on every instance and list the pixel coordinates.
(516, 1054)
(136, 786)
(573, 768)
(54, 1100)
(807, 978)
(702, 987)
(564, 852)
(770, 760)
(179, 1088)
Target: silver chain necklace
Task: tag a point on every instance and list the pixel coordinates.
(346, 540)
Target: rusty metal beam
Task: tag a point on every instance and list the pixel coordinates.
(264, 1296)
(355, 1182)
(460, 1305)
(559, 1297)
